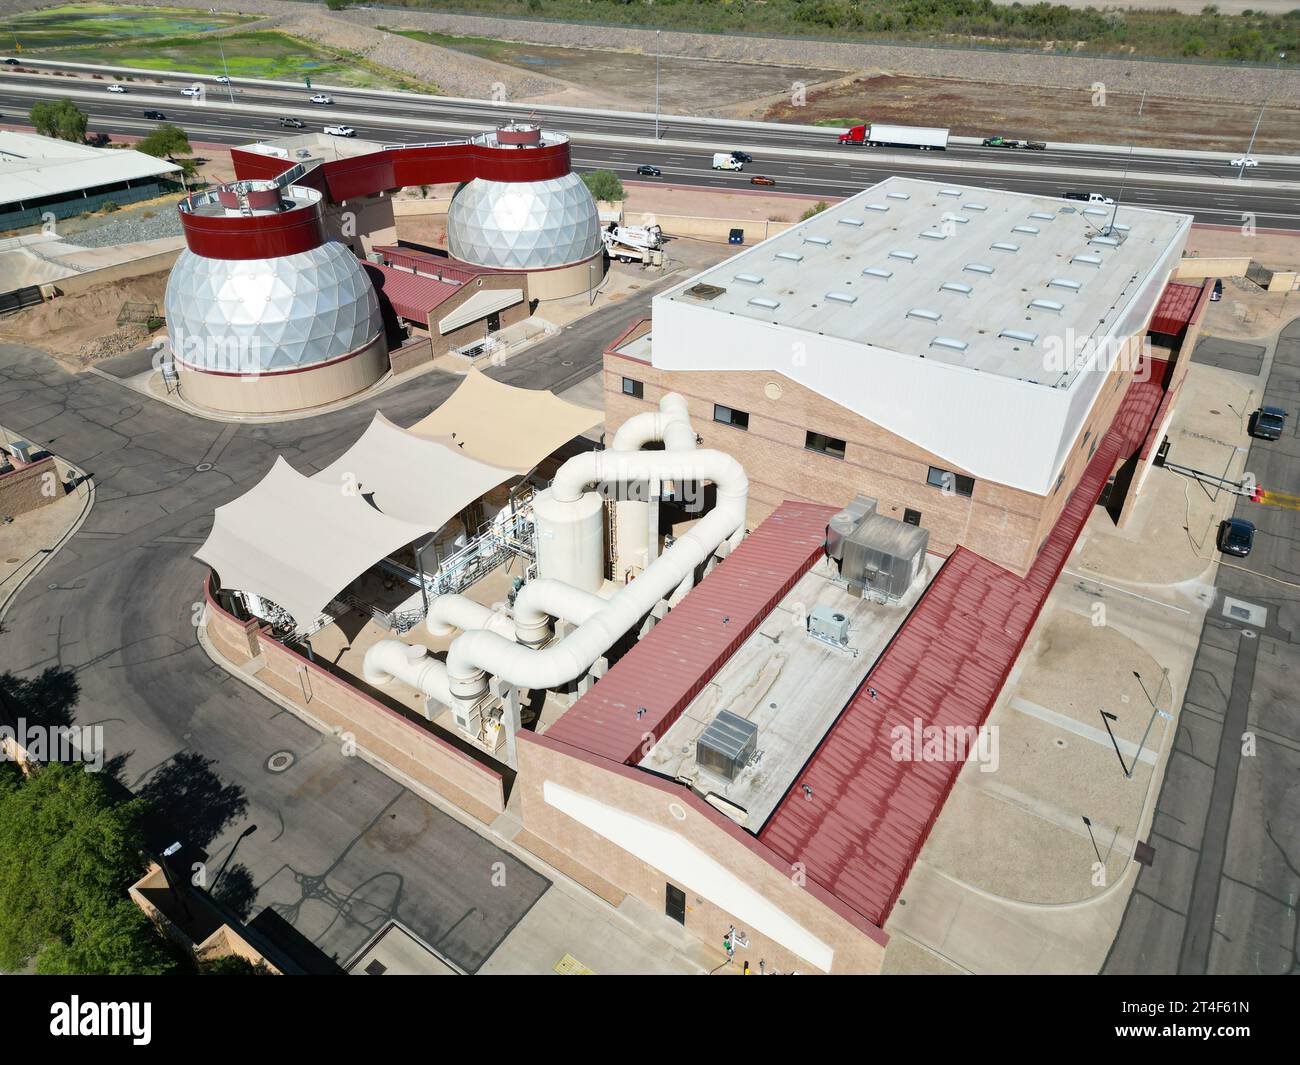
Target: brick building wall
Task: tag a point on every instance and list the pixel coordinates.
(27, 487)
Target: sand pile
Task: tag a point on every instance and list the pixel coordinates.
(83, 326)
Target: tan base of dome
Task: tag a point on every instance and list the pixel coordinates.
(567, 280)
(279, 393)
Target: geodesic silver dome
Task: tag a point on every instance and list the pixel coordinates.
(528, 225)
(262, 315)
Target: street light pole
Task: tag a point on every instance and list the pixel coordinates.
(657, 51)
(1241, 170)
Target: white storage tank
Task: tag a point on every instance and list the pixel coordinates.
(571, 539)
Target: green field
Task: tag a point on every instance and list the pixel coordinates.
(83, 24)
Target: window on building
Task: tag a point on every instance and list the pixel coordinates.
(1086, 437)
(912, 517)
(1093, 449)
(728, 416)
(1059, 481)
(952, 483)
(824, 445)
(636, 389)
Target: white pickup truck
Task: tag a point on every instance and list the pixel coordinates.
(340, 131)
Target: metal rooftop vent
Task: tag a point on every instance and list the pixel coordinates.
(924, 314)
(1105, 242)
(878, 271)
(790, 256)
(960, 219)
(951, 343)
(821, 242)
(726, 745)
(1038, 305)
(1021, 335)
(975, 206)
(1087, 260)
(1004, 245)
(1066, 283)
(749, 279)
(1096, 212)
(1122, 227)
(908, 256)
(850, 221)
(1041, 216)
(899, 195)
(950, 192)
(876, 206)
(977, 268)
(1032, 230)
(842, 297)
(956, 286)
(934, 234)
(705, 291)
(764, 301)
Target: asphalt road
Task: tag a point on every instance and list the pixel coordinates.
(217, 121)
(1222, 893)
(339, 847)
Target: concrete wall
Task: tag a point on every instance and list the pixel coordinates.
(27, 487)
(381, 734)
(567, 280)
(701, 228)
(278, 392)
(728, 877)
(149, 264)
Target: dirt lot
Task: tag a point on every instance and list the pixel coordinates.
(80, 328)
(978, 109)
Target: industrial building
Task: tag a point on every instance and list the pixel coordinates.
(271, 308)
(954, 353)
(44, 177)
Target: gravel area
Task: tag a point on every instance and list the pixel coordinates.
(164, 223)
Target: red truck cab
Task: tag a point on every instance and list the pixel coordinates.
(856, 135)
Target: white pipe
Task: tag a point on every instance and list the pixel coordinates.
(670, 424)
(477, 652)
(447, 613)
(411, 664)
(545, 598)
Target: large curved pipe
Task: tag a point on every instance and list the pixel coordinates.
(544, 598)
(411, 664)
(670, 424)
(476, 653)
(447, 613)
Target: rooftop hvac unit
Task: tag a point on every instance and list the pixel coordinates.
(22, 450)
(727, 745)
(843, 524)
(827, 623)
(883, 556)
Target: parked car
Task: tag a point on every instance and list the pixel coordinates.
(742, 157)
(293, 123)
(1267, 423)
(158, 115)
(116, 88)
(1236, 537)
(645, 170)
(762, 181)
(1245, 160)
(321, 98)
(191, 90)
(340, 131)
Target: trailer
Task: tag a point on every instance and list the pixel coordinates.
(881, 135)
(1008, 142)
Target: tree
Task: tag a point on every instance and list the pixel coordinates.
(604, 184)
(59, 118)
(68, 853)
(232, 965)
(165, 141)
(816, 209)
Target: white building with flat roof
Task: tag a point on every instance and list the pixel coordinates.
(977, 324)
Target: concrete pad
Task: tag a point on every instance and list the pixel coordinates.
(1229, 355)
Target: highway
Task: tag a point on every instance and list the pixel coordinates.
(829, 170)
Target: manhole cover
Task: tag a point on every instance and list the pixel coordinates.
(1215, 412)
(566, 362)
(10, 561)
(203, 467)
(280, 761)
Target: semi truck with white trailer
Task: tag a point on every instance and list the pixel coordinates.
(883, 135)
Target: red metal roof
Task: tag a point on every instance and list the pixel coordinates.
(443, 267)
(667, 668)
(411, 295)
(868, 814)
(1176, 308)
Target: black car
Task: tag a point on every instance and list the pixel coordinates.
(293, 123)
(1267, 423)
(649, 171)
(1236, 537)
(11, 62)
(742, 157)
(155, 115)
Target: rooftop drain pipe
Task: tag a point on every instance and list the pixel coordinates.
(476, 653)
(411, 664)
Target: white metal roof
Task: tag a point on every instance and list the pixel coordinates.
(32, 166)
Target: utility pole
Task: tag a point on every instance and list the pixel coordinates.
(658, 49)
(1259, 118)
(225, 69)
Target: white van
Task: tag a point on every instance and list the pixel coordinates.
(725, 161)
